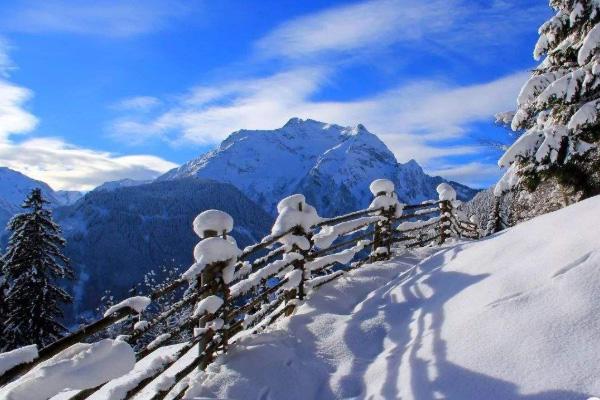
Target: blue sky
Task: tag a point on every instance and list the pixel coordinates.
(92, 91)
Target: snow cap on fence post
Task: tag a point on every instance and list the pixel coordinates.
(297, 218)
(385, 197)
(446, 192)
(294, 212)
(213, 248)
(212, 223)
(381, 186)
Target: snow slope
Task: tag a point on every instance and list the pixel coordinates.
(113, 185)
(330, 164)
(68, 197)
(514, 316)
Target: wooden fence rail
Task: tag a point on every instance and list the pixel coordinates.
(233, 293)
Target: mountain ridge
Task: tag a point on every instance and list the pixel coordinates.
(321, 160)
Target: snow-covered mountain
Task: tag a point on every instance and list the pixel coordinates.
(14, 188)
(68, 197)
(112, 185)
(332, 165)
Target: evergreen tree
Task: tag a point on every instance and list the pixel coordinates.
(32, 264)
(558, 108)
(495, 219)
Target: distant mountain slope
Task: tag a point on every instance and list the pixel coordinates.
(14, 188)
(115, 237)
(112, 185)
(68, 197)
(332, 165)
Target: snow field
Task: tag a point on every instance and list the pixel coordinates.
(513, 316)
(81, 366)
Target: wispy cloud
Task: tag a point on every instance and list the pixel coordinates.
(6, 63)
(137, 103)
(207, 114)
(360, 26)
(64, 166)
(472, 173)
(93, 17)
(14, 118)
(453, 26)
(412, 119)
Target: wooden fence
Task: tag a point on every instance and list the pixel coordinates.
(231, 297)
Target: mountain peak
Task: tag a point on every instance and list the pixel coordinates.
(293, 122)
(361, 128)
(300, 122)
(413, 165)
(308, 123)
(318, 159)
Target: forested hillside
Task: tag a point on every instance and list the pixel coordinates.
(115, 237)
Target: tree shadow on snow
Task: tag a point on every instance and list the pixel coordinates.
(452, 381)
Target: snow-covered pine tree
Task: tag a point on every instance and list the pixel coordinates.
(494, 222)
(559, 107)
(33, 264)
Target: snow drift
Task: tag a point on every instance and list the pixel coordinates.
(514, 316)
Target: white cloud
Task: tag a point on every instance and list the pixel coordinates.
(137, 103)
(13, 117)
(95, 17)
(472, 174)
(64, 166)
(412, 119)
(6, 63)
(452, 26)
(206, 115)
(360, 25)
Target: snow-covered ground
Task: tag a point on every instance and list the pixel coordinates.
(514, 316)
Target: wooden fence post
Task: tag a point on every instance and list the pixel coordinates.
(444, 220)
(211, 283)
(446, 195)
(301, 264)
(387, 230)
(377, 240)
(385, 199)
(214, 304)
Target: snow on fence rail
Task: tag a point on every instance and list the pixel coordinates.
(232, 292)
